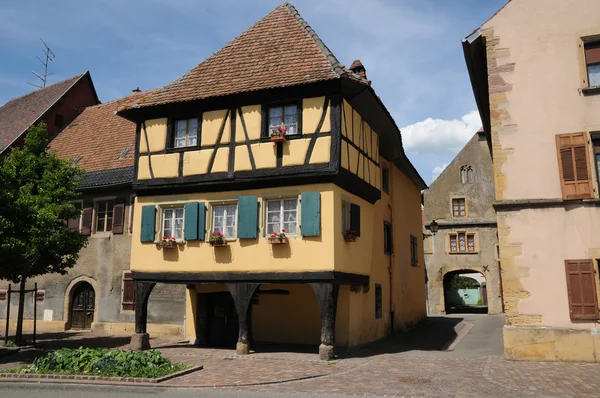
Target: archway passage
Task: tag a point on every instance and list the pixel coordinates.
(465, 292)
(83, 302)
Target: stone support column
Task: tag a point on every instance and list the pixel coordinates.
(327, 294)
(141, 340)
(242, 294)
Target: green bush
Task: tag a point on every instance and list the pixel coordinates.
(103, 362)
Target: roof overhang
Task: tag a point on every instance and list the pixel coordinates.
(474, 49)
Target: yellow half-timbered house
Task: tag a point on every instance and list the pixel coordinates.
(272, 182)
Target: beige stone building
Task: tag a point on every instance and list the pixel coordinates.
(536, 82)
(460, 201)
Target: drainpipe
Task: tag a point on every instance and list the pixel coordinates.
(391, 270)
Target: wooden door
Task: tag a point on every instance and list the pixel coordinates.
(223, 322)
(82, 306)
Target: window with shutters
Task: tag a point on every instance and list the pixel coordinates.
(378, 301)
(574, 166)
(414, 251)
(185, 133)
(172, 223)
(459, 207)
(104, 215)
(592, 62)
(387, 237)
(462, 242)
(127, 292)
(224, 220)
(581, 289)
(282, 214)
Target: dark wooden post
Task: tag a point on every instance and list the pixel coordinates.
(327, 294)
(141, 340)
(242, 297)
(20, 312)
(7, 313)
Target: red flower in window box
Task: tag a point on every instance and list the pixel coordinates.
(167, 243)
(278, 238)
(217, 239)
(350, 235)
(278, 133)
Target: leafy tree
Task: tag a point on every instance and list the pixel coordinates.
(36, 189)
(462, 282)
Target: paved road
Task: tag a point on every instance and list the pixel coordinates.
(14, 390)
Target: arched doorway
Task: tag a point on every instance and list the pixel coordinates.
(465, 292)
(83, 303)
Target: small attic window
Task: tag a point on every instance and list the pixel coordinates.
(76, 160)
(59, 121)
(124, 153)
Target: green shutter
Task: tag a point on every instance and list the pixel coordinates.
(247, 217)
(148, 223)
(355, 218)
(311, 213)
(191, 221)
(201, 220)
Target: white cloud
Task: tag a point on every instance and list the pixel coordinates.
(437, 171)
(438, 136)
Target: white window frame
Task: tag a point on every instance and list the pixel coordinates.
(187, 133)
(281, 206)
(212, 217)
(162, 220)
(94, 225)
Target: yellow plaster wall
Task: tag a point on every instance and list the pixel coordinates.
(211, 125)
(322, 151)
(143, 168)
(312, 109)
(265, 155)
(344, 155)
(357, 126)
(293, 318)
(165, 165)
(156, 130)
(221, 160)
(366, 256)
(196, 162)
(242, 158)
(347, 120)
(252, 120)
(301, 254)
(294, 152)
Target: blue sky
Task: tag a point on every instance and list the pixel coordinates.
(411, 49)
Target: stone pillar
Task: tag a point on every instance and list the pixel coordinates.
(141, 340)
(242, 294)
(327, 294)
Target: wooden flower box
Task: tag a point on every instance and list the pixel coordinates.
(278, 138)
(349, 238)
(278, 241)
(169, 244)
(218, 243)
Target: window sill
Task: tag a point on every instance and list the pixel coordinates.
(591, 90)
(98, 235)
(463, 253)
(184, 149)
(287, 137)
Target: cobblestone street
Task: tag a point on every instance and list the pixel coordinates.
(410, 364)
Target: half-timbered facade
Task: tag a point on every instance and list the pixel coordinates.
(271, 180)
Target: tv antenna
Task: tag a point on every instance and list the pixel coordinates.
(49, 58)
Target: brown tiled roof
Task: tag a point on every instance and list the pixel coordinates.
(280, 50)
(18, 114)
(99, 136)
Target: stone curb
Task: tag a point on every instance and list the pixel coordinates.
(25, 377)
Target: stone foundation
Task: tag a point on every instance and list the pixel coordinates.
(129, 328)
(541, 343)
(41, 327)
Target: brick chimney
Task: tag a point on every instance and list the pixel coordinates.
(358, 68)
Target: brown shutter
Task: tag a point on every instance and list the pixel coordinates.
(128, 292)
(73, 224)
(86, 221)
(581, 288)
(592, 53)
(574, 166)
(118, 216)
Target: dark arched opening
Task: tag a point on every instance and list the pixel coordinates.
(465, 292)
